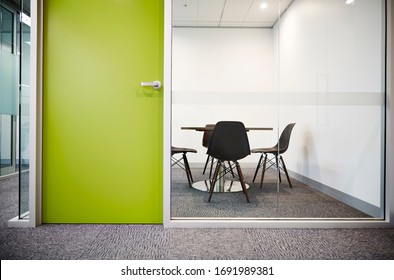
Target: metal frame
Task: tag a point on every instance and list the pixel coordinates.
(388, 221)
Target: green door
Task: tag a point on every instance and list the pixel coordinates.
(102, 131)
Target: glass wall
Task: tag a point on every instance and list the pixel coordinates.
(331, 83)
(316, 63)
(8, 90)
(24, 108)
(15, 95)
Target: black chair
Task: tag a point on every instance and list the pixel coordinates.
(229, 143)
(185, 164)
(277, 150)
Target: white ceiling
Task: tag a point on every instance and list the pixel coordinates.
(227, 13)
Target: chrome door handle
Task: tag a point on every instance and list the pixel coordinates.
(155, 84)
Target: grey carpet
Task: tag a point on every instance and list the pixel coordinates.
(91, 241)
(300, 201)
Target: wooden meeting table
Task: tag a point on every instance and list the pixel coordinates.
(222, 185)
(209, 128)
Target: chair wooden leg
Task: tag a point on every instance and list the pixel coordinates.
(210, 169)
(231, 168)
(277, 167)
(285, 169)
(187, 169)
(263, 172)
(241, 179)
(213, 180)
(258, 167)
(206, 164)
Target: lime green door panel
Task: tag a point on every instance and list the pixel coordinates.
(102, 132)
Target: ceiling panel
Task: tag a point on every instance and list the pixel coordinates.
(185, 10)
(236, 11)
(210, 10)
(228, 13)
(197, 12)
(268, 14)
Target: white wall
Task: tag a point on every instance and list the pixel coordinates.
(325, 60)
(221, 74)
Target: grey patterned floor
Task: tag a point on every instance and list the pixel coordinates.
(300, 201)
(91, 241)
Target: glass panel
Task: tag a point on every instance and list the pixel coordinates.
(9, 83)
(24, 114)
(8, 92)
(224, 70)
(316, 63)
(7, 30)
(15, 94)
(7, 145)
(331, 80)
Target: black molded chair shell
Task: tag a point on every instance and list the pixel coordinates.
(229, 141)
(282, 145)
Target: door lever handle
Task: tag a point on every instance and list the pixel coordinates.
(155, 84)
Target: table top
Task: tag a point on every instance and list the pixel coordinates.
(203, 128)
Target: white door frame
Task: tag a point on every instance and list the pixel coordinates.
(274, 222)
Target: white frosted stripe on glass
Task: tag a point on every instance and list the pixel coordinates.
(8, 84)
(285, 98)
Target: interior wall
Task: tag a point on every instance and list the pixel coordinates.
(331, 85)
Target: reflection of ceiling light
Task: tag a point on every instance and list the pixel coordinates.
(347, 2)
(264, 6)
